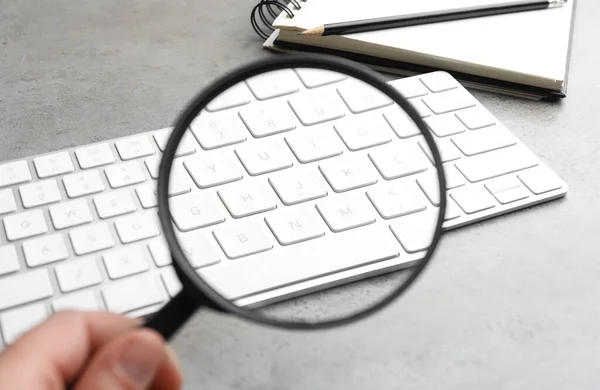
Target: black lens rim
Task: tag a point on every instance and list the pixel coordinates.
(302, 60)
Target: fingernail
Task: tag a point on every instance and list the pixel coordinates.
(140, 361)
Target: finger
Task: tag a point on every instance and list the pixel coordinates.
(129, 362)
(169, 374)
(53, 353)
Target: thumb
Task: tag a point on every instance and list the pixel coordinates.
(129, 362)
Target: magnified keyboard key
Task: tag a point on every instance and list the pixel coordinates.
(315, 144)
(317, 108)
(394, 161)
(218, 130)
(301, 186)
(403, 125)
(213, 169)
(364, 132)
(236, 96)
(125, 174)
(91, 238)
(295, 225)
(420, 107)
(40, 193)
(360, 97)
(195, 211)
(540, 181)
(94, 156)
(134, 147)
(10, 260)
(348, 212)
(84, 301)
(496, 163)
(312, 78)
(14, 173)
(473, 199)
(453, 100)
(349, 172)
(7, 201)
(476, 118)
(269, 119)
(274, 84)
(445, 125)
(18, 321)
(133, 293)
(484, 140)
(244, 199)
(244, 238)
(53, 165)
(44, 250)
(268, 156)
(507, 189)
(83, 183)
(415, 231)
(439, 81)
(26, 224)
(25, 287)
(77, 274)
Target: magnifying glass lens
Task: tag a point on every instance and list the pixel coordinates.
(296, 192)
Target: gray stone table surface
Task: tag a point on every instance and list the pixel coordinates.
(511, 303)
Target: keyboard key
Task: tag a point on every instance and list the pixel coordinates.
(430, 186)
(349, 172)
(213, 169)
(77, 274)
(53, 165)
(236, 96)
(398, 199)
(539, 181)
(111, 204)
(314, 144)
(217, 130)
(312, 78)
(9, 260)
(275, 83)
(160, 252)
(243, 238)
(171, 281)
(91, 238)
(134, 147)
(301, 186)
(248, 198)
(198, 250)
(410, 87)
(179, 181)
(347, 212)
(39, 193)
(125, 174)
(476, 118)
(152, 165)
(133, 293)
(364, 132)
(415, 231)
(14, 173)
(294, 225)
(472, 199)
(125, 261)
(496, 163)
(361, 97)
(24, 287)
(398, 160)
(318, 107)
(447, 150)
(352, 249)
(187, 145)
(44, 250)
(452, 210)
(268, 119)
(83, 301)
(195, 211)
(148, 195)
(484, 140)
(507, 189)
(7, 201)
(94, 156)
(69, 214)
(83, 183)
(439, 81)
(18, 321)
(265, 157)
(136, 227)
(445, 125)
(26, 224)
(453, 100)
(420, 107)
(401, 123)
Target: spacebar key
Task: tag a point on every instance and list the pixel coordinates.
(133, 293)
(24, 288)
(305, 261)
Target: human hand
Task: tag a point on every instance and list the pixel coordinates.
(101, 351)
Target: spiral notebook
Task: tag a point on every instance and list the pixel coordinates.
(524, 54)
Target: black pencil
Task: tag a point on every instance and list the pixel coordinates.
(430, 17)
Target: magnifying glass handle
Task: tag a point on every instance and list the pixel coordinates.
(173, 315)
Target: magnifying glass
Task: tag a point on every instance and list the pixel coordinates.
(314, 176)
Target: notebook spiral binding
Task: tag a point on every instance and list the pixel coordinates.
(267, 11)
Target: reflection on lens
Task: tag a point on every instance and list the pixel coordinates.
(304, 184)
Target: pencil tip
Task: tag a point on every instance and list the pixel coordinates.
(315, 31)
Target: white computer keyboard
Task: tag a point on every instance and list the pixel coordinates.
(79, 227)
